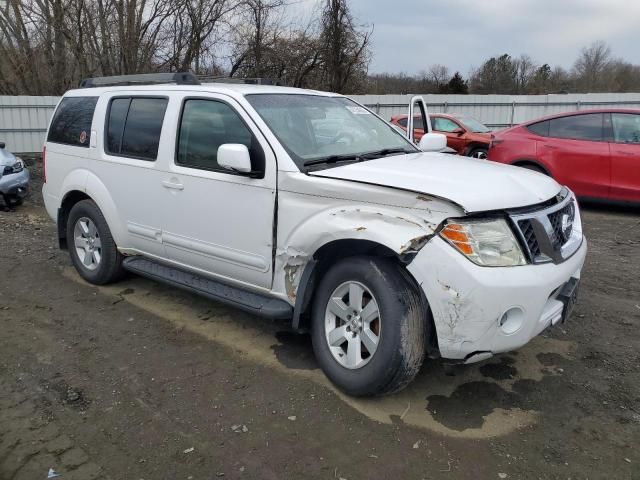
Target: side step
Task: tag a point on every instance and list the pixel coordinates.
(248, 301)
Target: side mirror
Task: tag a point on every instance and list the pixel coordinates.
(459, 131)
(234, 156)
(433, 142)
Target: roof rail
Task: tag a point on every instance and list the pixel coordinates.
(182, 78)
(248, 81)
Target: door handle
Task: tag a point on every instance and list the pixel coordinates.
(552, 147)
(628, 154)
(172, 185)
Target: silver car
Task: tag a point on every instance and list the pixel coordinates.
(14, 178)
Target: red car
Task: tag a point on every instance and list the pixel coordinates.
(596, 153)
(466, 135)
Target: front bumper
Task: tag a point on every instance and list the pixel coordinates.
(469, 302)
(15, 184)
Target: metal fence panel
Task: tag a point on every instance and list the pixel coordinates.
(24, 119)
(499, 111)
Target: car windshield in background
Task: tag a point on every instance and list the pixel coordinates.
(323, 131)
(474, 125)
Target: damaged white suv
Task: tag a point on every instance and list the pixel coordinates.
(305, 205)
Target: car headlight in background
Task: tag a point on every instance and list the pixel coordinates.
(489, 243)
(15, 168)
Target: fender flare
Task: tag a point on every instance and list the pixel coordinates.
(89, 184)
(296, 261)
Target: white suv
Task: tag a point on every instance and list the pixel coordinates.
(305, 205)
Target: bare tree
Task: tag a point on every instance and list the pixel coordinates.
(345, 47)
(439, 76)
(591, 66)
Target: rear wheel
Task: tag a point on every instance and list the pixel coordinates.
(369, 326)
(92, 249)
(479, 152)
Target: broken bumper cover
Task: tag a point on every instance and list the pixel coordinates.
(479, 311)
(15, 184)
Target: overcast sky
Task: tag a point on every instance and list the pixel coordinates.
(410, 35)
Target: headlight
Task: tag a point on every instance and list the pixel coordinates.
(489, 243)
(15, 168)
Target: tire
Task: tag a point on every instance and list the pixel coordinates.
(533, 168)
(479, 152)
(88, 232)
(401, 327)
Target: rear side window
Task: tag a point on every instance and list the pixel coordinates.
(403, 122)
(134, 125)
(540, 128)
(71, 124)
(578, 127)
(207, 124)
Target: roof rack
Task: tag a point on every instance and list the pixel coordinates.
(182, 78)
(248, 81)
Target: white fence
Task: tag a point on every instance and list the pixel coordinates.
(23, 120)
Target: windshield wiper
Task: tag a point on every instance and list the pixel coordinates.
(334, 159)
(383, 153)
(356, 157)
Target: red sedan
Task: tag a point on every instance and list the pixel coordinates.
(596, 153)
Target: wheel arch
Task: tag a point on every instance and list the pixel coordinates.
(534, 163)
(97, 192)
(475, 145)
(337, 250)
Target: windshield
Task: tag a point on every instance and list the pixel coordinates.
(474, 125)
(317, 130)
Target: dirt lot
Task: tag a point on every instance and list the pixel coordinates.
(139, 381)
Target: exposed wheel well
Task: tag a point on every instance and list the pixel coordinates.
(473, 146)
(328, 255)
(531, 163)
(69, 200)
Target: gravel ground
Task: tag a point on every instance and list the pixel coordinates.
(139, 381)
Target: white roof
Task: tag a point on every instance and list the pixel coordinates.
(232, 89)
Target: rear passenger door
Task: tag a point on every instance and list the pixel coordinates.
(217, 221)
(129, 167)
(577, 153)
(625, 157)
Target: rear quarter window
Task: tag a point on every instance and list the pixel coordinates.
(540, 128)
(71, 124)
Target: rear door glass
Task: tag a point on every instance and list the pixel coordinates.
(134, 126)
(71, 124)
(578, 127)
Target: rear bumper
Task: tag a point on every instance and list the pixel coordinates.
(15, 184)
(469, 302)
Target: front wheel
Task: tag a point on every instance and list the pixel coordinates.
(369, 326)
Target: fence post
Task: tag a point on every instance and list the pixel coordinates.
(446, 107)
(513, 113)
(377, 109)
(578, 103)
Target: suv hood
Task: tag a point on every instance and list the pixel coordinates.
(475, 185)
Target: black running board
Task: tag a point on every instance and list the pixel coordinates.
(248, 301)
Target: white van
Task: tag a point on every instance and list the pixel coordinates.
(300, 204)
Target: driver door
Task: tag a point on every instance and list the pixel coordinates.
(219, 222)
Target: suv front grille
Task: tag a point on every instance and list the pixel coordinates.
(529, 237)
(562, 234)
(546, 234)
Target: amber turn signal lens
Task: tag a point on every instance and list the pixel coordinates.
(456, 234)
